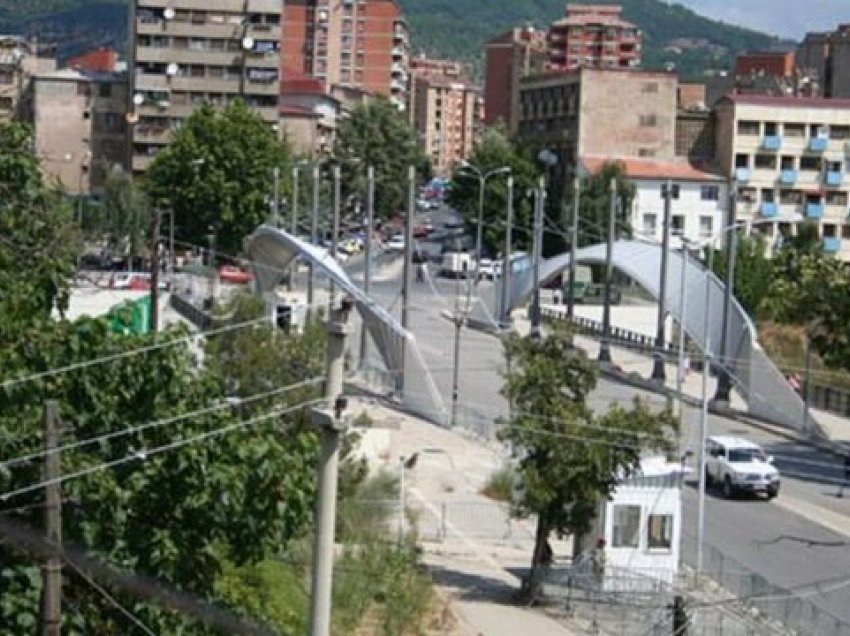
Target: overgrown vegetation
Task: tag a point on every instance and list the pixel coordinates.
(500, 484)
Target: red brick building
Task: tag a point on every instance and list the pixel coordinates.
(775, 63)
(510, 57)
(593, 36)
(102, 60)
(362, 44)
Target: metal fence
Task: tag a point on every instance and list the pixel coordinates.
(440, 521)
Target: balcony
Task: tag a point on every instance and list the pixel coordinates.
(814, 210)
(769, 210)
(834, 179)
(831, 245)
(771, 142)
(788, 177)
(742, 175)
(818, 144)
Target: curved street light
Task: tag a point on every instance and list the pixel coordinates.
(469, 170)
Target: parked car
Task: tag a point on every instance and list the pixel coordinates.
(736, 465)
(230, 274)
(421, 231)
(486, 269)
(396, 243)
(349, 246)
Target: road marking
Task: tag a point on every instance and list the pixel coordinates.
(836, 522)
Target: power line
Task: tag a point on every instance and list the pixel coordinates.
(144, 454)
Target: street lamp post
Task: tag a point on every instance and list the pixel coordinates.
(537, 251)
(605, 344)
(505, 296)
(724, 384)
(482, 184)
(658, 372)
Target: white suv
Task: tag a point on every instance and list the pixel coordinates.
(737, 465)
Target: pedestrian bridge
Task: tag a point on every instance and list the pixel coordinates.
(762, 386)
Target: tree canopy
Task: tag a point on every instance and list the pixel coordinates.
(217, 175)
(377, 134)
(569, 458)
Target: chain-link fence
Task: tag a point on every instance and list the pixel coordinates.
(439, 521)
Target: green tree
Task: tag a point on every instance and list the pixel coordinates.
(595, 204)
(568, 457)
(754, 272)
(217, 175)
(492, 152)
(377, 134)
(126, 216)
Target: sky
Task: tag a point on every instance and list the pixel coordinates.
(787, 18)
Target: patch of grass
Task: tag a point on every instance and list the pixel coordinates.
(500, 484)
(786, 346)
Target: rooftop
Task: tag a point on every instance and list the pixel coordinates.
(785, 101)
(294, 83)
(638, 168)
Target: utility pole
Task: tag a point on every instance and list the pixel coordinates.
(367, 271)
(408, 265)
(294, 222)
(658, 372)
(724, 384)
(213, 273)
(155, 223)
(571, 301)
(605, 344)
(314, 238)
(335, 228)
(172, 257)
(459, 320)
(51, 571)
(680, 379)
(329, 421)
(539, 203)
(276, 200)
(505, 310)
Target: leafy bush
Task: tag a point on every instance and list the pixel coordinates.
(500, 484)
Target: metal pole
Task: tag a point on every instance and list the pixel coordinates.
(294, 223)
(408, 265)
(458, 320)
(505, 296)
(157, 220)
(681, 368)
(539, 202)
(276, 201)
(314, 239)
(571, 301)
(658, 371)
(172, 257)
(605, 345)
(482, 183)
(724, 384)
(367, 271)
(51, 593)
(335, 228)
(703, 425)
(331, 427)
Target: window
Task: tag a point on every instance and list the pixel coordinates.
(742, 161)
(790, 197)
(709, 193)
(747, 195)
(659, 532)
(771, 129)
(677, 225)
(104, 90)
(768, 196)
(7, 78)
(706, 226)
(748, 128)
(626, 527)
(646, 152)
(836, 198)
(766, 162)
(845, 232)
(83, 88)
(674, 191)
(795, 130)
(829, 230)
(647, 121)
(810, 163)
(839, 132)
(787, 163)
(650, 222)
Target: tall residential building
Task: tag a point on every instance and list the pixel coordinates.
(827, 56)
(788, 156)
(600, 112)
(363, 44)
(445, 112)
(20, 60)
(80, 127)
(593, 35)
(510, 57)
(186, 53)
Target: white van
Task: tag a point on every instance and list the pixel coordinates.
(457, 264)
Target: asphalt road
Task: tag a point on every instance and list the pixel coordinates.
(769, 538)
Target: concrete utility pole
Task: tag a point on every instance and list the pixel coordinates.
(724, 383)
(213, 273)
(334, 229)
(682, 320)
(460, 316)
(51, 571)
(155, 223)
(537, 253)
(172, 257)
(658, 372)
(367, 271)
(314, 239)
(294, 222)
(571, 281)
(504, 309)
(605, 344)
(408, 265)
(276, 200)
(329, 421)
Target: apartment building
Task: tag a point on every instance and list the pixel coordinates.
(308, 114)
(698, 203)
(600, 112)
(20, 60)
(509, 57)
(789, 157)
(363, 44)
(593, 35)
(827, 57)
(446, 112)
(186, 53)
(79, 124)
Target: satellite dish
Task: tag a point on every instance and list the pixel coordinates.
(247, 43)
(132, 118)
(172, 69)
(168, 14)
(138, 99)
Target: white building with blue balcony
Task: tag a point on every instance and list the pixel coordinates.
(790, 160)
